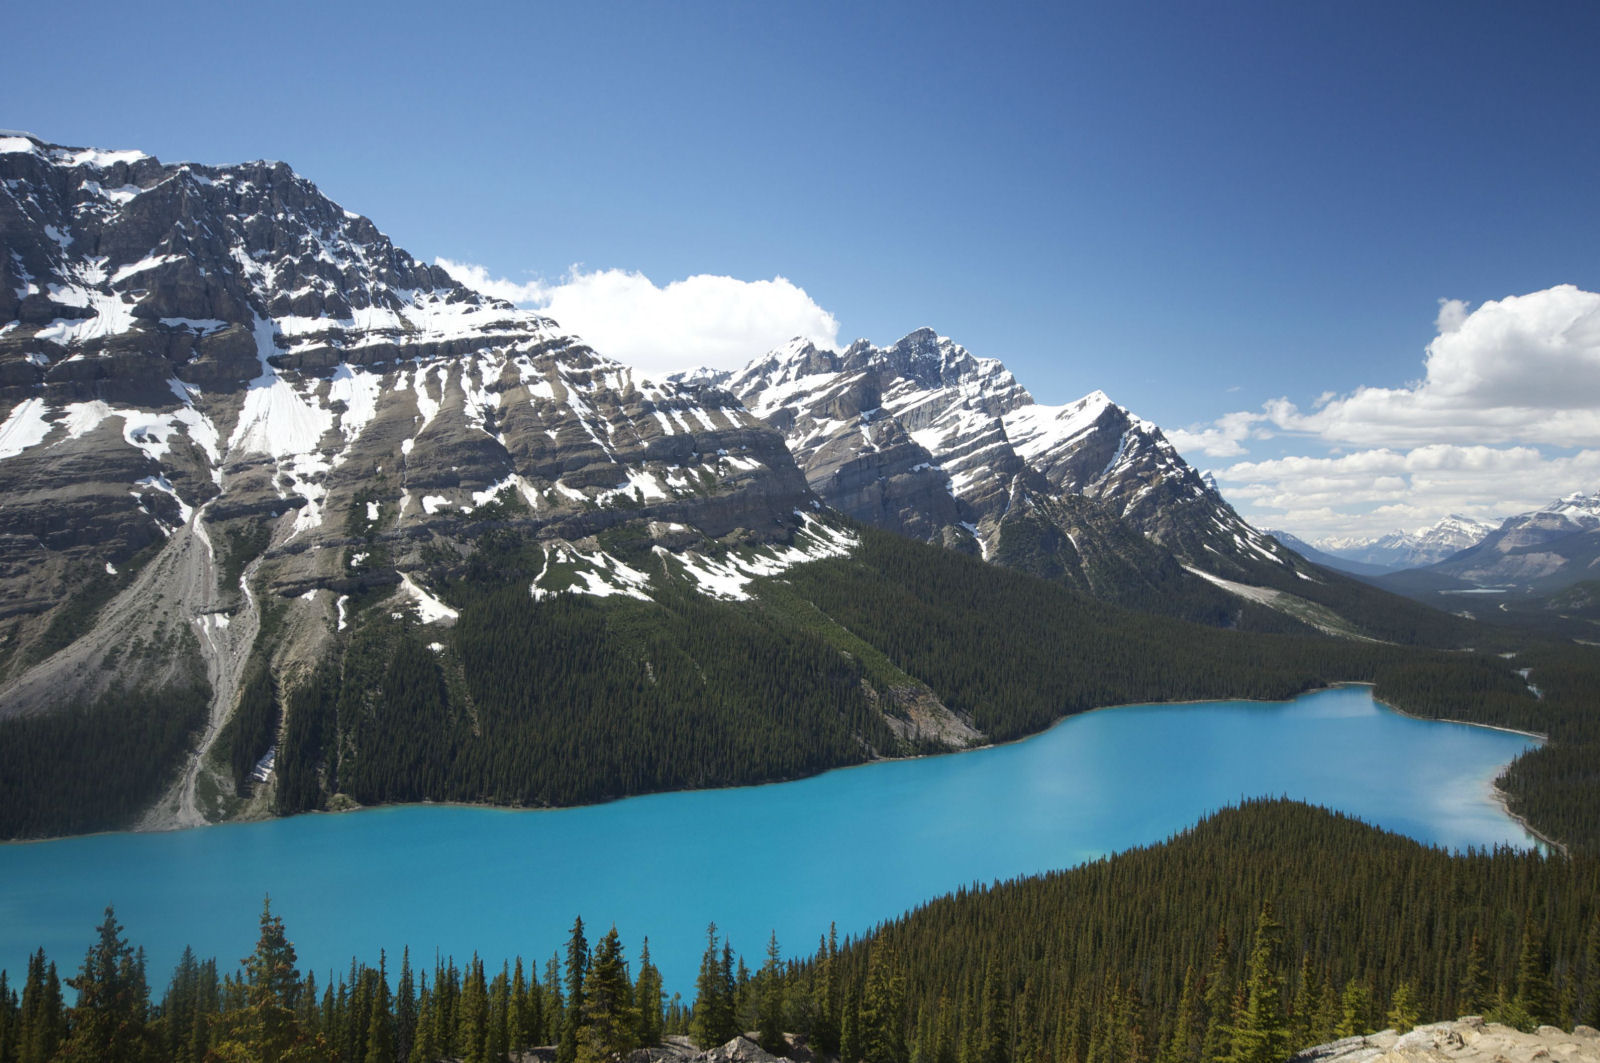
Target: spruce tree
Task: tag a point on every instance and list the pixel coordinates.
(1403, 1011)
(769, 1025)
(994, 1037)
(610, 1024)
(110, 1021)
(497, 1039)
(572, 1020)
(9, 1015)
(381, 1041)
(472, 1013)
(405, 1008)
(881, 1017)
(1356, 1007)
(1261, 1031)
(1179, 1046)
(1474, 991)
(266, 1027)
(713, 1023)
(41, 1019)
(1216, 1045)
(1590, 1013)
(1535, 997)
(555, 1006)
(647, 998)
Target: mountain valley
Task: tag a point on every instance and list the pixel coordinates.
(304, 523)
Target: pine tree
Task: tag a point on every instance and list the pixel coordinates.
(1535, 996)
(882, 1018)
(994, 1040)
(713, 1023)
(110, 1021)
(425, 1046)
(555, 1006)
(472, 1014)
(1403, 1011)
(1217, 1043)
(1474, 991)
(41, 1019)
(1356, 1007)
(405, 1008)
(9, 1019)
(824, 1004)
(647, 997)
(577, 964)
(1260, 1032)
(769, 1025)
(497, 1040)
(610, 1024)
(1180, 1043)
(266, 1028)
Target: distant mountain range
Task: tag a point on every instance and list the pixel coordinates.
(1544, 550)
(1403, 549)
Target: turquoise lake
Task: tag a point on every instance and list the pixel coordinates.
(854, 846)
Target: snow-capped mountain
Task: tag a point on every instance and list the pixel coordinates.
(1411, 549)
(1545, 549)
(925, 438)
(208, 368)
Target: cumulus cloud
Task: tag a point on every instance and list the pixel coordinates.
(1506, 387)
(703, 320)
(1523, 369)
(1370, 492)
(1223, 439)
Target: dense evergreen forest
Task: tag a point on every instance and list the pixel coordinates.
(1260, 930)
(94, 767)
(577, 699)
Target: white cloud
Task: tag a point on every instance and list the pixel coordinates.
(1506, 387)
(1370, 492)
(704, 320)
(477, 278)
(1224, 439)
(1523, 369)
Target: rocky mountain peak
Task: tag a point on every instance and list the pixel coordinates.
(219, 364)
(929, 440)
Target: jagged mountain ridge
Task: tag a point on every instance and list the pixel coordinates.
(1325, 559)
(220, 361)
(1411, 549)
(1544, 550)
(926, 439)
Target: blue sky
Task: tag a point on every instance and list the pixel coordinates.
(1199, 208)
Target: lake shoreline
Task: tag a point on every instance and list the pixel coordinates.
(353, 806)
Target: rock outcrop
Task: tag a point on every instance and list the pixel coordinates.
(1466, 1040)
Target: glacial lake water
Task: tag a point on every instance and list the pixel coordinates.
(854, 846)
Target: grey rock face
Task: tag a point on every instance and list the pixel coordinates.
(225, 351)
(925, 439)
